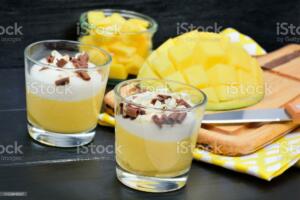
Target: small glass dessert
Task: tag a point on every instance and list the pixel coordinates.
(157, 122)
(127, 35)
(64, 91)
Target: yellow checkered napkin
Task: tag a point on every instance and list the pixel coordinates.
(266, 163)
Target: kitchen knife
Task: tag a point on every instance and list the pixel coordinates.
(290, 112)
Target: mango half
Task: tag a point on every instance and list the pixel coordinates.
(224, 71)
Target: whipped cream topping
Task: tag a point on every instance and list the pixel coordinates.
(157, 118)
(160, 99)
(62, 83)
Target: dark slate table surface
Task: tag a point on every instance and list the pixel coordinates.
(39, 172)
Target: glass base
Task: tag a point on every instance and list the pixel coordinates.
(59, 139)
(150, 184)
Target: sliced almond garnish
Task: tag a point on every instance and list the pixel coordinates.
(161, 98)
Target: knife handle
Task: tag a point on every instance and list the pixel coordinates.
(293, 108)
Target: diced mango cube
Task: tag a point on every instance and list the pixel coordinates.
(139, 22)
(87, 40)
(181, 55)
(96, 57)
(222, 74)
(94, 17)
(134, 63)
(209, 53)
(119, 48)
(164, 48)
(246, 78)
(176, 76)
(147, 72)
(129, 27)
(238, 57)
(196, 75)
(161, 64)
(117, 19)
(118, 71)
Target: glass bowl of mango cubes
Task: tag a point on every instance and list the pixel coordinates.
(127, 35)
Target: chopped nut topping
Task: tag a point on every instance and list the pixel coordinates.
(167, 103)
(171, 119)
(130, 111)
(50, 59)
(157, 121)
(81, 61)
(178, 117)
(61, 62)
(84, 75)
(182, 102)
(163, 96)
(62, 81)
(153, 101)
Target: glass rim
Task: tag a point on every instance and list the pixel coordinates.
(152, 28)
(118, 87)
(37, 62)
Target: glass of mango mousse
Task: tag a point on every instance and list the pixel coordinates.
(157, 122)
(65, 85)
(127, 35)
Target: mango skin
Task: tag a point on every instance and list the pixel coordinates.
(230, 77)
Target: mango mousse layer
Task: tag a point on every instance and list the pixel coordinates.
(63, 100)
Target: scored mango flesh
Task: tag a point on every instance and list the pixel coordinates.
(127, 40)
(224, 71)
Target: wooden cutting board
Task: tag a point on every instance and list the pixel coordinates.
(282, 84)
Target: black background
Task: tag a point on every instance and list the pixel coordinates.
(51, 173)
(56, 19)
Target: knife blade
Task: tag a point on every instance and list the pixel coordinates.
(290, 112)
(247, 116)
